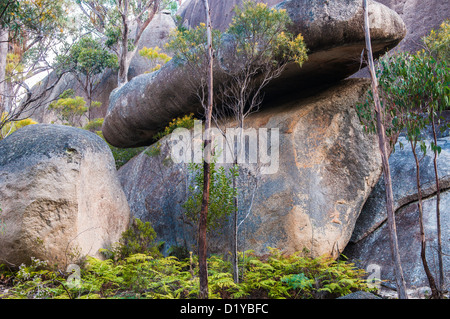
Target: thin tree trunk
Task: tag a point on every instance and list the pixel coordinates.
(3, 53)
(89, 97)
(123, 58)
(235, 230)
(125, 55)
(423, 243)
(240, 151)
(123, 68)
(438, 213)
(8, 96)
(400, 280)
(202, 242)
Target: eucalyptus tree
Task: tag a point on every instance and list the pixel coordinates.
(437, 49)
(120, 23)
(203, 223)
(195, 50)
(413, 90)
(256, 50)
(30, 32)
(87, 59)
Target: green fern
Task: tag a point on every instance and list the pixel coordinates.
(143, 275)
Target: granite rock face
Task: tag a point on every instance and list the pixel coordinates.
(369, 243)
(309, 199)
(375, 248)
(420, 17)
(193, 12)
(403, 172)
(334, 36)
(59, 195)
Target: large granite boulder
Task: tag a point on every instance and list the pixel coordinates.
(60, 197)
(311, 197)
(370, 240)
(374, 250)
(155, 35)
(322, 23)
(334, 36)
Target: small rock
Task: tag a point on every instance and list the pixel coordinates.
(360, 295)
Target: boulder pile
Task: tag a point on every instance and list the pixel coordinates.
(369, 244)
(310, 198)
(332, 31)
(327, 165)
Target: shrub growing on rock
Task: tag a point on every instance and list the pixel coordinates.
(139, 238)
(145, 276)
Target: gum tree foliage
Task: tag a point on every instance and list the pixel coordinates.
(69, 108)
(6, 8)
(11, 127)
(120, 23)
(30, 30)
(189, 49)
(414, 90)
(87, 59)
(221, 195)
(155, 54)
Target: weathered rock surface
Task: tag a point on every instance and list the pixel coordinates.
(403, 172)
(156, 34)
(59, 194)
(327, 168)
(370, 240)
(420, 18)
(375, 249)
(333, 33)
(323, 23)
(193, 12)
